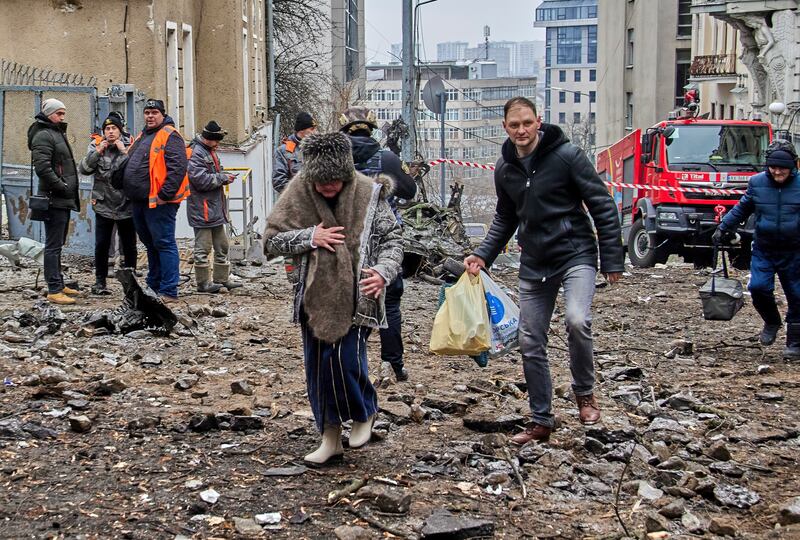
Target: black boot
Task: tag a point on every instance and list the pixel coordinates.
(792, 350)
(99, 288)
(766, 307)
(400, 373)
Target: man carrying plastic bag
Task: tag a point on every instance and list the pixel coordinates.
(543, 184)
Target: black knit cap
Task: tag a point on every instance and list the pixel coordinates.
(114, 119)
(304, 120)
(155, 104)
(213, 132)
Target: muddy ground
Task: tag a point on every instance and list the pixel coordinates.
(700, 423)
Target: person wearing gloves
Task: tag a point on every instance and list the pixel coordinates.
(340, 228)
(774, 197)
(107, 156)
(207, 210)
(52, 159)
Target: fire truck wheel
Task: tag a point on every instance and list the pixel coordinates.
(644, 250)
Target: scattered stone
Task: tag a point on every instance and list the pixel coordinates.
(736, 496)
(242, 388)
(614, 436)
(654, 522)
(624, 373)
(185, 382)
(11, 428)
(674, 509)
(106, 387)
(486, 422)
(495, 478)
(728, 468)
(139, 334)
(145, 422)
(270, 518)
(386, 498)
(246, 423)
(665, 424)
(722, 527)
(648, 492)
(151, 359)
(80, 424)
(442, 525)
(246, 526)
(692, 523)
(202, 423)
(299, 517)
(297, 470)
(210, 496)
(78, 404)
(759, 434)
(789, 512)
(764, 369)
(769, 396)
(193, 484)
(197, 394)
(52, 375)
(352, 532)
(218, 313)
(31, 380)
(418, 413)
(719, 451)
(397, 410)
(683, 402)
(673, 464)
(447, 406)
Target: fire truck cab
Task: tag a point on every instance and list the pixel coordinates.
(667, 202)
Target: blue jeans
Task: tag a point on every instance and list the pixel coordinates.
(156, 230)
(537, 299)
(764, 264)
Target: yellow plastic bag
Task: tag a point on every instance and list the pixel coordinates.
(462, 323)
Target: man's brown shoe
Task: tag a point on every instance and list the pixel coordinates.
(589, 411)
(533, 432)
(60, 299)
(71, 292)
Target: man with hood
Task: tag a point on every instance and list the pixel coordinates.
(549, 189)
(774, 197)
(52, 159)
(370, 159)
(207, 210)
(106, 156)
(156, 182)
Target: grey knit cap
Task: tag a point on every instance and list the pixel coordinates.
(327, 157)
(51, 105)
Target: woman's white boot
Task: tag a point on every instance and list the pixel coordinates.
(361, 432)
(331, 446)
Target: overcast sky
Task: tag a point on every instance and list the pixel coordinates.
(448, 20)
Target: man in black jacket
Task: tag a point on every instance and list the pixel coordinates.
(372, 160)
(545, 185)
(51, 156)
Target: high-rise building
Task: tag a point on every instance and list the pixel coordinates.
(645, 56)
(451, 51)
(397, 53)
(499, 52)
(570, 66)
(529, 59)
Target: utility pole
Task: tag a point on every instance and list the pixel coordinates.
(409, 150)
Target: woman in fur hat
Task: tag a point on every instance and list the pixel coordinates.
(338, 224)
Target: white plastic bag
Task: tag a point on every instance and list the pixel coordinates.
(504, 317)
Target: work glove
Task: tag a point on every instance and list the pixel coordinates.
(721, 236)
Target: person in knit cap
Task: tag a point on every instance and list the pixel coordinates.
(107, 156)
(288, 158)
(52, 159)
(338, 225)
(207, 210)
(774, 197)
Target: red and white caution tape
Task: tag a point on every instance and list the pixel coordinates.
(711, 191)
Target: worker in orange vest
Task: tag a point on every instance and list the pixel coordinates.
(287, 159)
(155, 181)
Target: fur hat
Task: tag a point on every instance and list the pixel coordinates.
(327, 157)
(358, 118)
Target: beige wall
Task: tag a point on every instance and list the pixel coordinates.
(650, 78)
(91, 41)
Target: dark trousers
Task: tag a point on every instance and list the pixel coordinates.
(764, 264)
(156, 230)
(392, 337)
(104, 232)
(55, 232)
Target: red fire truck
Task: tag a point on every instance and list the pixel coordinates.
(683, 152)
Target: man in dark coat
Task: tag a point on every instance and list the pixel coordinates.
(545, 185)
(774, 197)
(52, 159)
(207, 210)
(288, 158)
(372, 160)
(155, 181)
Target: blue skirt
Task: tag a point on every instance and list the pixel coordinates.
(337, 377)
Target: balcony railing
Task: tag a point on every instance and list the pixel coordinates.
(713, 65)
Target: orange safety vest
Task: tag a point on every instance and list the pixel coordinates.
(290, 146)
(158, 168)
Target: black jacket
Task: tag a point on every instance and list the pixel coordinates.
(364, 148)
(547, 204)
(137, 170)
(52, 159)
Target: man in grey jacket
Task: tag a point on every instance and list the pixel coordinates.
(207, 210)
(288, 160)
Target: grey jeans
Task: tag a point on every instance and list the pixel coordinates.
(207, 238)
(537, 300)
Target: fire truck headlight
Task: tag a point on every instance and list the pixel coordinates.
(668, 216)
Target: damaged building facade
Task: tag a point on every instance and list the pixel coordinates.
(206, 60)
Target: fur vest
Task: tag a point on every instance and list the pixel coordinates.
(328, 287)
